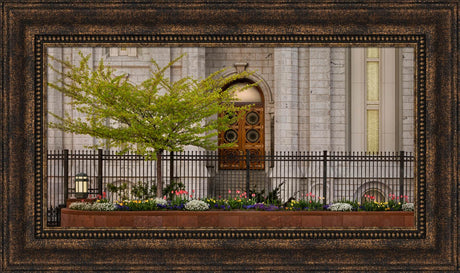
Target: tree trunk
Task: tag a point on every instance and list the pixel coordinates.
(159, 175)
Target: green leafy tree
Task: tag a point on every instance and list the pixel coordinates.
(149, 118)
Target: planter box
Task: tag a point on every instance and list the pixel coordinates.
(235, 219)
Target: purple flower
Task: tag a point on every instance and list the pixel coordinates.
(262, 206)
(118, 207)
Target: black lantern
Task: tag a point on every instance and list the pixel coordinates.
(81, 185)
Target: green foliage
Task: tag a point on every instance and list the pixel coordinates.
(142, 191)
(174, 187)
(395, 205)
(180, 199)
(140, 205)
(217, 203)
(258, 196)
(230, 203)
(147, 118)
(240, 203)
(121, 191)
(273, 197)
(305, 204)
(368, 205)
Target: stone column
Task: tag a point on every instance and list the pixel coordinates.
(338, 99)
(304, 99)
(320, 99)
(286, 93)
(286, 99)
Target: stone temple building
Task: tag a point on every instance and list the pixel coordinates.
(307, 99)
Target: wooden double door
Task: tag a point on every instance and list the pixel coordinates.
(248, 135)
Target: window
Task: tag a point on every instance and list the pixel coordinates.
(372, 99)
(248, 95)
(374, 103)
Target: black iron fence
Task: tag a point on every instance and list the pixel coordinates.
(330, 176)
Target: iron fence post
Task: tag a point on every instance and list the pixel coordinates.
(324, 176)
(99, 171)
(66, 175)
(171, 167)
(401, 175)
(247, 171)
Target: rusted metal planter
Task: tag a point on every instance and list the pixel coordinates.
(235, 219)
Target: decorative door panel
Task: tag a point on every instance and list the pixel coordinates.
(248, 135)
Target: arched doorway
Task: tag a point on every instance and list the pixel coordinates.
(247, 133)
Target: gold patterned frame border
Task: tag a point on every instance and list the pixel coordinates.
(435, 246)
(416, 41)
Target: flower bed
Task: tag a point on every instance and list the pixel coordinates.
(236, 219)
(238, 212)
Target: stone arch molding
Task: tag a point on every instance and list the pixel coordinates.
(384, 188)
(257, 78)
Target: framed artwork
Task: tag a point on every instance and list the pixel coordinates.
(278, 38)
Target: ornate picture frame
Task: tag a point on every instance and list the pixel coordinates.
(28, 28)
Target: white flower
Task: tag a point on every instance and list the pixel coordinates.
(160, 201)
(196, 205)
(408, 207)
(340, 207)
(79, 206)
(92, 206)
(103, 206)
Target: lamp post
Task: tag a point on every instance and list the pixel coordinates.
(81, 185)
